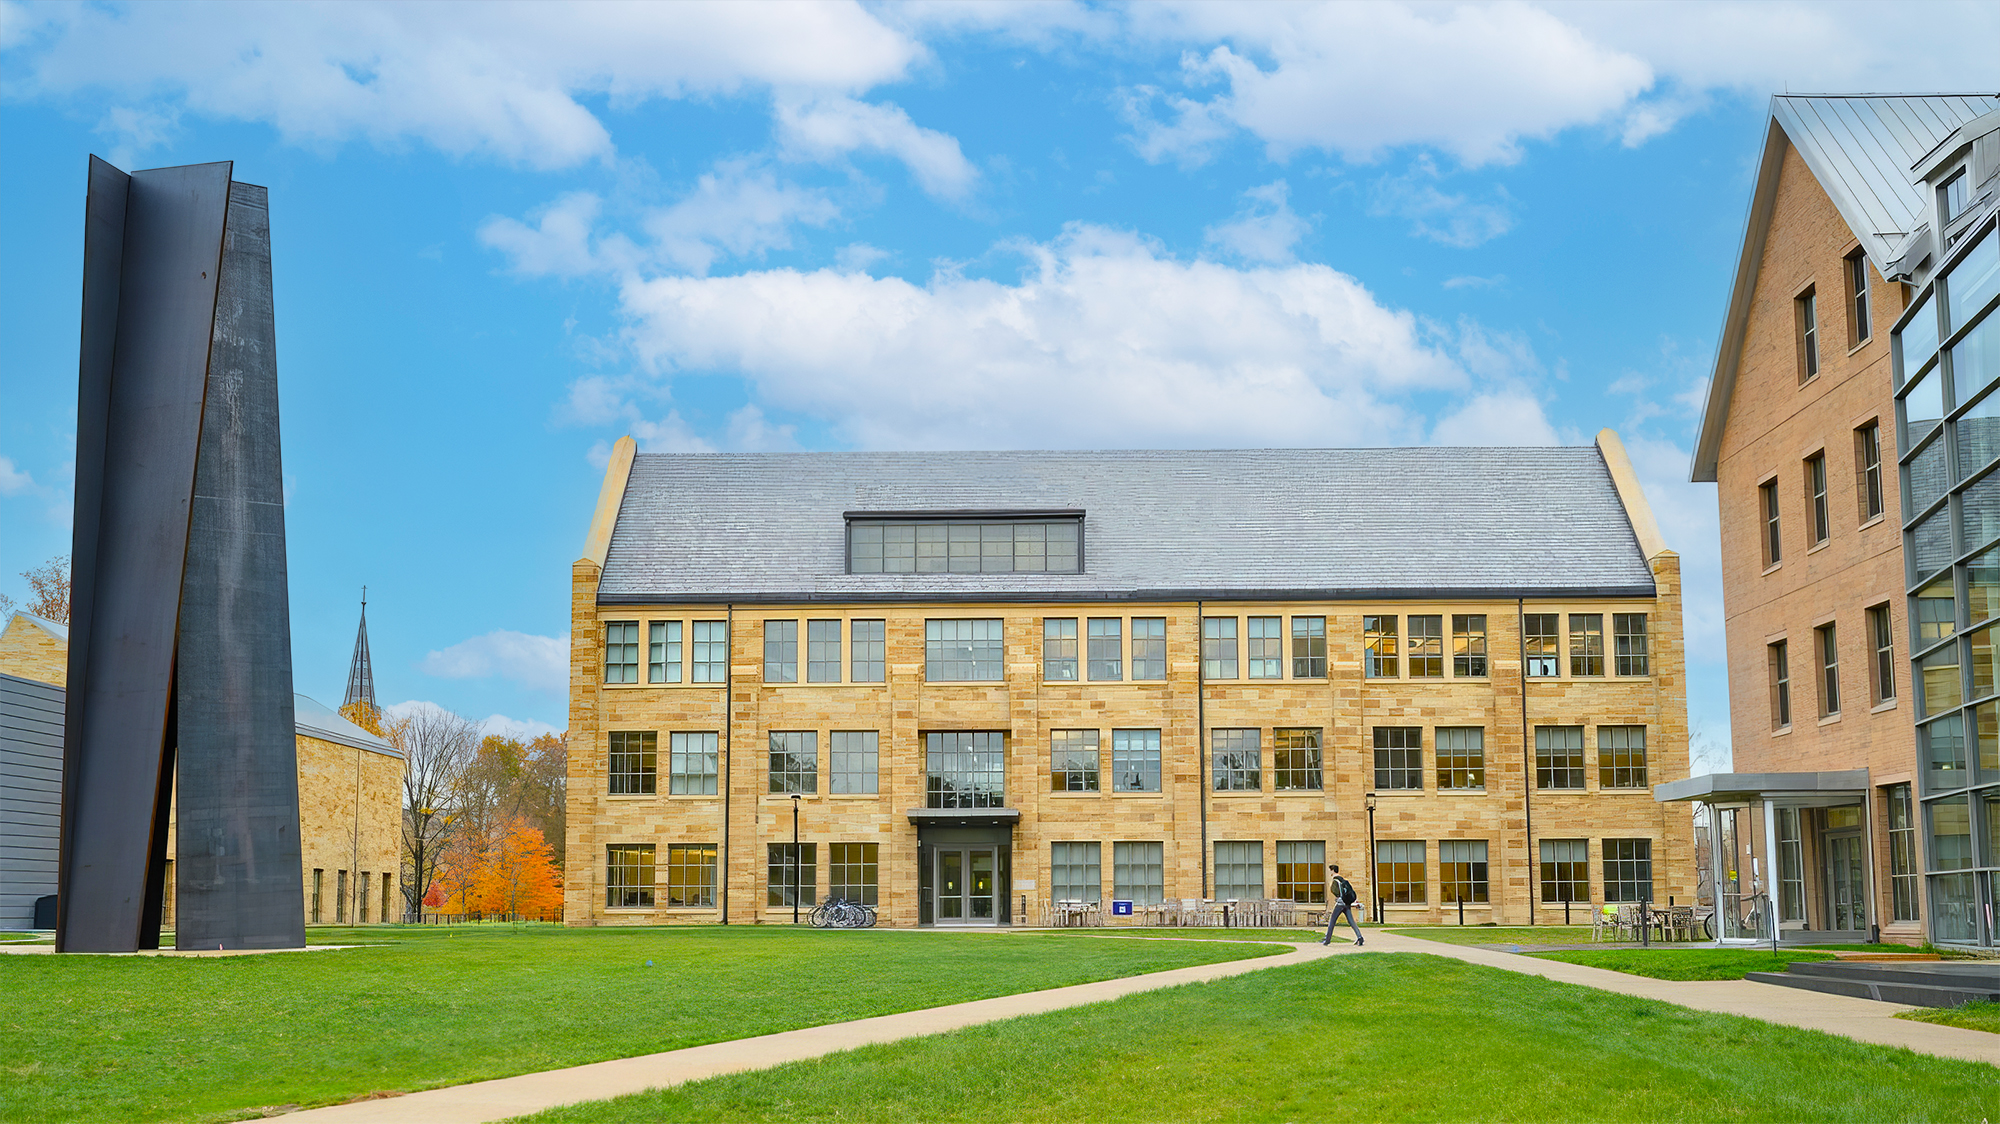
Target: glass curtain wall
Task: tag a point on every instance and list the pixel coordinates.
(1947, 360)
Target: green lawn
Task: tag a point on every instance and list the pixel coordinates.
(157, 1038)
(1373, 1037)
(1482, 934)
(1978, 1015)
(1686, 963)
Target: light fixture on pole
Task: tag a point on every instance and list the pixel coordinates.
(795, 858)
(1373, 871)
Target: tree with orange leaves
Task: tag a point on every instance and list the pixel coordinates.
(518, 874)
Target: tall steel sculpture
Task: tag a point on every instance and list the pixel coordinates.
(180, 666)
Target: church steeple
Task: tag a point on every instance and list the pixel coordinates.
(361, 674)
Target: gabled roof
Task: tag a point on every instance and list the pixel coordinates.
(1170, 525)
(315, 720)
(1864, 150)
(60, 632)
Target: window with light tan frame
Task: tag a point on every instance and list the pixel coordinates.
(1868, 470)
(1805, 310)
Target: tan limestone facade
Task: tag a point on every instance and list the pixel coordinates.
(32, 648)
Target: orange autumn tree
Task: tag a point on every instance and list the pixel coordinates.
(455, 886)
(518, 872)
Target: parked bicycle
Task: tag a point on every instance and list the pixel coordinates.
(839, 913)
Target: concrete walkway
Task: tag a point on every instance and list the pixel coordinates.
(482, 1101)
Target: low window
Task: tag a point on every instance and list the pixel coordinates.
(1295, 760)
(1074, 872)
(690, 875)
(621, 651)
(1621, 756)
(628, 876)
(1107, 649)
(1138, 873)
(1565, 870)
(1399, 872)
(853, 761)
(1073, 760)
(1380, 658)
(791, 872)
(634, 761)
(1558, 757)
(1399, 757)
(1628, 870)
(1267, 647)
(1309, 647)
(1628, 637)
(1461, 757)
(852, 871)
(1149, 647)
(1543, 635)
(968, 651)
(794, 761)
(1239, 871)
(1059, 662)
(1426, 647)
(1302, 871)
(781, 651)
(1135, 761)
(822, 651)
(1903, 872)
(691, 764)
(1218, 647)
(663, 652)
(1237, 757)
(1462, 871)
(1468, 645)
(1586, 644)
(867, 660)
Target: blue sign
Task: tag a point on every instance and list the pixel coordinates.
(1121, 908)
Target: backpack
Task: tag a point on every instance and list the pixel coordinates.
(1344, 889)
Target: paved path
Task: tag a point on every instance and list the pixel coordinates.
(482, 1101)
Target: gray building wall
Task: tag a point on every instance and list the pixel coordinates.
(31, 763)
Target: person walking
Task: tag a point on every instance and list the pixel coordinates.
(1343, 895)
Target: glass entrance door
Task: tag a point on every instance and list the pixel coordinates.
(1846, 892)
(967, 881)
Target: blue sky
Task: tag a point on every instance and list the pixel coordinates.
(504, 235)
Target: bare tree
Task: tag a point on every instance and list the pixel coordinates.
(50, 581)
(437, 747)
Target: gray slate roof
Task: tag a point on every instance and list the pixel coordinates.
(1266, 523)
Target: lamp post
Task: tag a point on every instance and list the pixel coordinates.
(795, 858)
(1373, 890)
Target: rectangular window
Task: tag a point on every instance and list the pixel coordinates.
(1953, 196)
(1822, 524)
(1107, 649)
(1628, 870)
(1827, 647)
(965, 769)
(340, 897)
(1266, 647)
(691, 761)
(1565, 870)
(1882, 636)
(1218, 647)
(690, 875)
(1868, 469)
(867, 659)
(853, 761)
(853, 871)
(1138, 873)
(1903, 873)
(634, 763)
(1628, 640)
(1309, 647)
(361, 913)
(1149, 647)
(1621, 757)
(822, 651)
(1773, 538)
(1295, 760)
(1781, 686)
(1558, 757)
(791, 872)
(1302, 871)
(1399, 757)
(621, 651)
(386, 894)
(781, 651)
(1426, 647)
(1239, 871)
(711, 652)
(628, 876)
(1074, 874)
(1236, 759)
(1059, 662)
(1378, 637)
(1073, 761)
(1805, 309)
(1860, 328)
(1586, 643)
(1543, 635)
(1399, 872)
(319, 888)
(794, 761)
(970, 651)
(1468, 645)
(926, 546)
(1462, 871)
(1791, 867)
(1135, 761)
(663, 652)
(1461, 757)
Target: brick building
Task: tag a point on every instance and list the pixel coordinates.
(981, 682)
(1828, 823)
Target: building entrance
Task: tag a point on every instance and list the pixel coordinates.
(967, 885)
(1846, 883)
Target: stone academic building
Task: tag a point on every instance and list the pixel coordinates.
(987, 682)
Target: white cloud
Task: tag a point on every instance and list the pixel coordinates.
(1104, 339)
(1469, 281)
(15, 481)
(1500, 417)
(1265, 230)
(519, 729)
(829, 127)
(502, 80)
(1453, 220)
(858, 257)
(540, 662)
(559, 244)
